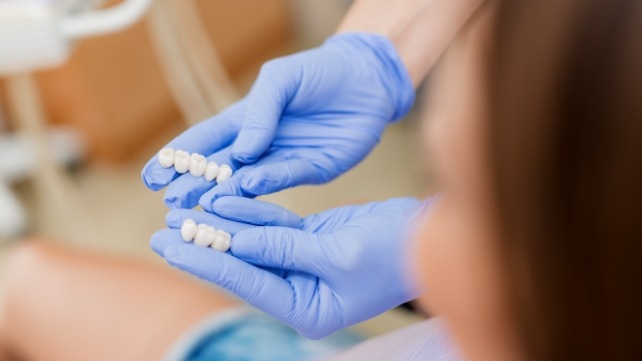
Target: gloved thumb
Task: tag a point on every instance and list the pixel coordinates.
(282, 248)
(270, 94)
(256, 212)
(275, 177)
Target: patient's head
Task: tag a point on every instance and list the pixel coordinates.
(535, 251)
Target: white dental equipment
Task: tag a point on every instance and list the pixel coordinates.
(35, 35)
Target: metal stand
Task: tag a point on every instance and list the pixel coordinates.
(52, 183)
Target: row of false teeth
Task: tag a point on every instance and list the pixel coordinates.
(205, 236)
(195, 163)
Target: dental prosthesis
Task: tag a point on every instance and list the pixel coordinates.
(195, 163)
(205, 236)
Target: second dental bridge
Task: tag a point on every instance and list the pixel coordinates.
(205, 235)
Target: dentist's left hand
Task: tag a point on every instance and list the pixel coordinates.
(328, 271)
(309, 118)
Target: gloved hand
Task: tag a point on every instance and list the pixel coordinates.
(329, 271)
(308, 118)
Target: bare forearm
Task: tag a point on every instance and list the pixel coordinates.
(420, 29)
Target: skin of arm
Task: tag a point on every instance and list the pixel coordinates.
(420, 29)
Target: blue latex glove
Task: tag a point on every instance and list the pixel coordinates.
(308, 118)
(330, 271)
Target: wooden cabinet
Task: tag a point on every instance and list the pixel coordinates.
(113, 91)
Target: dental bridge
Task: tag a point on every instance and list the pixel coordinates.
(37, 35)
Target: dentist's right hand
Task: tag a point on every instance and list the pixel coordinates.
(308, 118)
(317, 274)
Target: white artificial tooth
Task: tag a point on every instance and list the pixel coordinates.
(197, 165)
(202, 226)
(181, 161)
(224, 173)
(203, 237)
(227, 245)
(188, 230)
(219, 243)
(166, 157)
(211, 237)
(222, 233)
(223, 241)
(181, 165)
(211, 171)
(212, 229)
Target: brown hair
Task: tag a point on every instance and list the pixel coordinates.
(565, 143)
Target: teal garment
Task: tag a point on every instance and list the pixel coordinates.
(256, 337)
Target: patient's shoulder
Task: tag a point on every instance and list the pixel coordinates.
(427, 340)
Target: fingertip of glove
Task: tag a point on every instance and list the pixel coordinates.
(250, 183)
(239, 250)
(261, 181)
(244, 157)
(247, 242)
(240, 238)
(157, 244)
(208, 199)
(173, 218)
(155, 178)
(207, 202)
(149, 183)
(221, 205)
(172, 202)
(242, 152)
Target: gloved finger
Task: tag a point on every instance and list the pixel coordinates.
(270, 94)
(232, 187)
(165, 238)
(284, 248)
(176, 217)
(205, 138)
(257, 287)
(256, 212)
(168, 237)
(272, 178)
(329, 220)
(185, 191)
